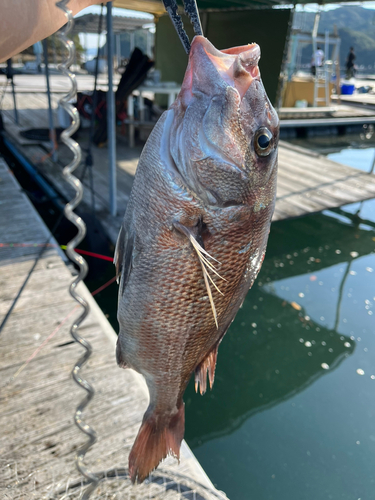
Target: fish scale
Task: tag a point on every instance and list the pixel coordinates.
(201, 202)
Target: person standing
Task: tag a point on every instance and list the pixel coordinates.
(350, 69)
(317, 60)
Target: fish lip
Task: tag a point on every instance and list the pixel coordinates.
(208, 47)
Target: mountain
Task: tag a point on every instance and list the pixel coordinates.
(356, 27)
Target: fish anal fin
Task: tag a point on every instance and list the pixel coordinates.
(207, 366)
(157, 438)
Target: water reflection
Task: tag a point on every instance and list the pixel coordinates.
(274, 352)
(308, 317)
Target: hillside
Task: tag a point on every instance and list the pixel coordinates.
(356, 27)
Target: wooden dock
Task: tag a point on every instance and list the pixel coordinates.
(308, 182)
(38, 438)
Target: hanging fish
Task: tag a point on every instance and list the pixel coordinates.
(194, 235)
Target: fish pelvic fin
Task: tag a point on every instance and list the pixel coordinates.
(157, 438)
(207, 366)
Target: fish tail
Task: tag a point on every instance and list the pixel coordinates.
(156, 439)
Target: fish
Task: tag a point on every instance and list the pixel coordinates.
(194, 236)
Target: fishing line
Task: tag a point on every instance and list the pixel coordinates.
(90, 254)
(63, 247)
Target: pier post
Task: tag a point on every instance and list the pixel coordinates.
(111, 124)
(10, 77)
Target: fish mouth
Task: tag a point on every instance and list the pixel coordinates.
(237, 66)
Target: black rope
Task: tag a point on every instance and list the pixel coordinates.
(89, 161)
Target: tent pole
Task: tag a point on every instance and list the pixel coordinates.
(10, 77)
(111, 125)
(50, 115)
(118, 50)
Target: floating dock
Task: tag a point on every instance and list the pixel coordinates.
(38, 439)
(325, 116)
(308, 182)
(359, 101)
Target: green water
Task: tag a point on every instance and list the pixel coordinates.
(292, 412)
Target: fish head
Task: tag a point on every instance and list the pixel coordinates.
(224, 132)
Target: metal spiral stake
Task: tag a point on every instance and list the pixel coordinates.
(75, 257)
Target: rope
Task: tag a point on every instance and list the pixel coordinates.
(89, 161)
(63, 247)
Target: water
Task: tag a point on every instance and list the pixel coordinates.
(292, 411)
(354, 150)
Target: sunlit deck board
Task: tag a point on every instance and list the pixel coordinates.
(38, 438)
(307, 182)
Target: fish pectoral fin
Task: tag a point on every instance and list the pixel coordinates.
(119, 355)
(207, 366)
(206, 265)
(123, 256)
(119, 253)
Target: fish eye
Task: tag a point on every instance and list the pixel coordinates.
(263, 142)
